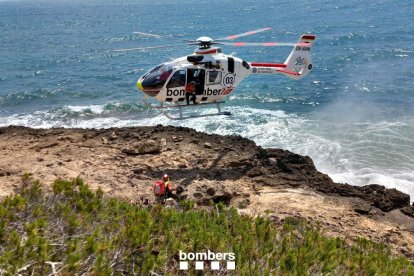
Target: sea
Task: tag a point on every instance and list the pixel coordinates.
(353, 114)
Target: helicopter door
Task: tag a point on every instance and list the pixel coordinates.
(197, 75)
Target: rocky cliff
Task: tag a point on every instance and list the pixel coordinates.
(209, 168)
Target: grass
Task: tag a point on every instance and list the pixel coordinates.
(75, 230)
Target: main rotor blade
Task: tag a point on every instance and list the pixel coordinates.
(231, 37)
(149, 47)
(147, 34)
(170, 37)
(263, 44)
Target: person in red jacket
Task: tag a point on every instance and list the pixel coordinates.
(168, 187)
(190, 91)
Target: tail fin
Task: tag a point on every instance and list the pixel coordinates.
(298, 64)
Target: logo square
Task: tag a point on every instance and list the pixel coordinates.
(199, 265)
(215, 265)
(183, 265)
(231, 265)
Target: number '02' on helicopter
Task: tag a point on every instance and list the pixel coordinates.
(208, 75)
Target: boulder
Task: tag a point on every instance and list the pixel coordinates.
(182, 196)
(210, 191)
(207, 145)
(224, 197)
(363, 209)
(408, 210)
(385, 199)
(177, 139)
(179, 189)
(374, 194)
(147, 147)
(163, 142)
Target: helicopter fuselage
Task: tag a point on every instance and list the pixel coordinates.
(215, 75)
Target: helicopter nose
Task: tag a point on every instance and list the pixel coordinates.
(139, 85)
(147, 90)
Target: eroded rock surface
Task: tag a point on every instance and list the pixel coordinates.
(125, 162)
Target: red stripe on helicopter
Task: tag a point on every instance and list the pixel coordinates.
(265, 64)
(289, 72)
(213, 51)
(310, 37)
(269, 44)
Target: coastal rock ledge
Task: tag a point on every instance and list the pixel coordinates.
(207, 167)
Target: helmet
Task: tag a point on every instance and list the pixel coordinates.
(165, 177)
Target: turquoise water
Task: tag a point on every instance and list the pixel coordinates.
(354, 114)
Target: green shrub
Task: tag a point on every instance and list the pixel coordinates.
(84, 232)
(187, 204)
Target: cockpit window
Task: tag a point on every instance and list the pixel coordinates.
(156, 77)
(178, 79)
(213, 77)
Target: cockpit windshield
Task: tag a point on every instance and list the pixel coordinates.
(156, 77)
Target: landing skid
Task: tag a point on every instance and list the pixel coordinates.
(180, 107)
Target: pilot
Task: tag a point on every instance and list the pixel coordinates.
(190, 90)
(212, 76)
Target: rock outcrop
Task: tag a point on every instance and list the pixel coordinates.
(210, 164)
(208, 169)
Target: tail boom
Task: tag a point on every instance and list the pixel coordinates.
(297, 65)
(266, 67)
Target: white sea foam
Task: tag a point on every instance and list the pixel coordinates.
(95, 109)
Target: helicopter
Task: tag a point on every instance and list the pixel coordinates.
(207, 76)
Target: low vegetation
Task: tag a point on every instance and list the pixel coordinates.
(77, 230)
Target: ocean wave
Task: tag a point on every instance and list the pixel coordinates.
(97, 116)
(109, 109)
(361, 154)
(20, 97)
(402, 180)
